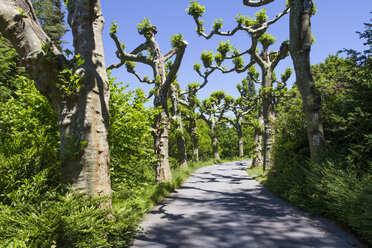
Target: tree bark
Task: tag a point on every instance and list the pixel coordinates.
(180, 137)
(257, 154)
(85, 119)
(300, 46)
(83, 114)
(269, 118)
(162, 126)
(193, 131)
(239, 132)
(214, 139)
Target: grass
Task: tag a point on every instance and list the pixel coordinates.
(257, 174)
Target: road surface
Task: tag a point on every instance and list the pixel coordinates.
(220, 206)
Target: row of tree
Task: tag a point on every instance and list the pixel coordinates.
(78, 88)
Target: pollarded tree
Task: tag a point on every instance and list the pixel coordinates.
(241, 107)
(191, 103)
(162, 81)
(267, 60)
(177, 98)
(212, 112)
(77, 89)
(300, 46)
(190, 114)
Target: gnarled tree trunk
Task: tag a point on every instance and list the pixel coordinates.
(83, 114)
(239, 131)
(300, 45)
(180, 137)
(257, 153)
(269, 118)
(214, 139)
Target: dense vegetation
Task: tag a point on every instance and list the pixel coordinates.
(36, 210)
(339, 188)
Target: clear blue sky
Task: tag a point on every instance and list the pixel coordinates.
(333, 26)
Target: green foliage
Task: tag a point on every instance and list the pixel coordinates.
(60, 220)
(267, 40)
(195, 9)
(224, 47)
(177, 41)
(207, 58)
(69, 79)
(114, 27)
(217, 25)
(339, 188)
(238, 62)
(145, 28)
(130, 138)
(244, 21)
(286, 75)
(197, 67)
(130, 65)
(261, 17)
(51, 17)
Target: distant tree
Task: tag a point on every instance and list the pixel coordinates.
(192, 103)
(78, 89)
(267, 60)
(212, 112)
(51, 18)
(162, 81)
(242, 106)
(191, 115)
(177, 120)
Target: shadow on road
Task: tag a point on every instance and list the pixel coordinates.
(222, 207)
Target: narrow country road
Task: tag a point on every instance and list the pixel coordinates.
(221, 206)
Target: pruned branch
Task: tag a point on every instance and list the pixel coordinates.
(124, 56)
(176, 64)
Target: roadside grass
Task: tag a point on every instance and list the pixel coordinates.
(326, 191)
(257, 174)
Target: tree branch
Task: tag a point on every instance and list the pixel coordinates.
(176, 65)
(257, 3)
(124, 56)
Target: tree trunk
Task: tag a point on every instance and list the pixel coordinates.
(161, 138)
(240, 139)
(84, 120)
(180, 137)
(193, 131)
(300, 45)
(268, 117)
(83, 114)
(214, 140)
(257, 154)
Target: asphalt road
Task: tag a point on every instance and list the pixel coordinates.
(221, 206)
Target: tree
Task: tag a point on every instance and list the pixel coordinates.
(162, 81)
(267, 60)
(51, 18)
(241, 107)
(78, 89)
(214, 107)
(192, 103)
(177, 119)
(300, 46)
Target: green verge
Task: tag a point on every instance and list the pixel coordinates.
(326, 191)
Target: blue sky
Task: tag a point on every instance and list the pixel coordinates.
(333, 26)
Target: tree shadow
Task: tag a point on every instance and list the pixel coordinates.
(217, 210)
